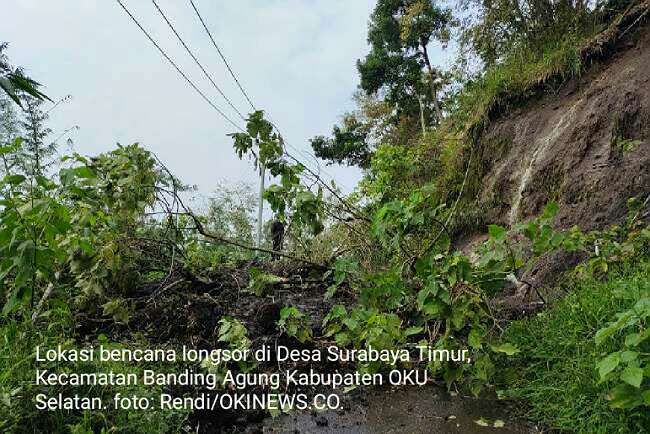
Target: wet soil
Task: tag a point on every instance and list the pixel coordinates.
(407, 410)
(182, 310)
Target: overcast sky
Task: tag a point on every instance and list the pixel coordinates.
(295, 58)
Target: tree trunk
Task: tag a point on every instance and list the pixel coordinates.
(432, 77)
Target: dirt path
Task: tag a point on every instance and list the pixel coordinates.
(408, 410)
(188, 314)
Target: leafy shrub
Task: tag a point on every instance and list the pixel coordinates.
(295, 324)
(18, 413)
(261, 283)
(629, 367)
(45, 241)
(555, 371)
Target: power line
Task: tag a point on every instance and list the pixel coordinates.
(222, 56)
(208, 76)
(171, 62)
(241, 88)
(177, 68)
(307, 155)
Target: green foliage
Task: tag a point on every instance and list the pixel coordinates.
(295, 324)
(389, 174)
(398, 221)
(30, 228)
(231, 212)
(499, 28)
(267, 148)
(366, 327)
(629, 367)
(118, 309)
(259, 134)
(524, 53)
(398, 33)
(445, 293)
(514, 79)
(36, 155)
(48, 242)
(233, 333)
(15, 83)
(555, 372)
(349, 144)
(18, 413)
(343, 268)
(626, 145)
(261, 283)
(373, 123)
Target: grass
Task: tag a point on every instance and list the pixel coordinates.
(554, 374)
(509, 83)
(515, 79)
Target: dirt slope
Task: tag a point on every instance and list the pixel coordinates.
(585, 146)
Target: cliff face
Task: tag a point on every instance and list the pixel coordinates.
(586, 146)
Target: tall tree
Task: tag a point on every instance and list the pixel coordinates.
(36, 152)
(399, 34)
(9, 131)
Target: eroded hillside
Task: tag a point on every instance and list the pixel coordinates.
(585, 145)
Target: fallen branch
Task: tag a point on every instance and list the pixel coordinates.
(222, 240)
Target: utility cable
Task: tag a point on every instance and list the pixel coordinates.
(198, 14)
(137, 23)
(241, 88)
(207, 75)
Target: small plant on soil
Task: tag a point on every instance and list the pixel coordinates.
(261, 283)
(295, 324)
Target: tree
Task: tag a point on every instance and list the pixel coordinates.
(398, 63)
(495, 28)
(14, 82)
(231, 212)
(36, 153)
(355, 141)
(348, 144)
(9, 130)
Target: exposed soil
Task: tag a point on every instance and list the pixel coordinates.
(409, 410)
(585, 145)
(183, 310)
(179, 311)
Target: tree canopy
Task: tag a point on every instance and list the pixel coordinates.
(398, 63)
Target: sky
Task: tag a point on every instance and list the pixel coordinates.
(295, 58)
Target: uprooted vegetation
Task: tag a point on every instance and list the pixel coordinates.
(110, 252)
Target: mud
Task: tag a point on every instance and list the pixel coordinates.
(408, 410)
(181, 310)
